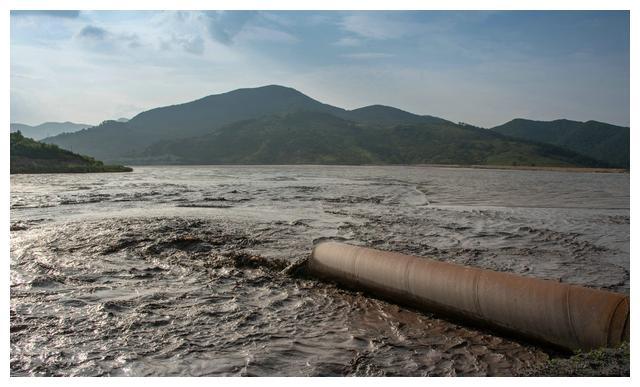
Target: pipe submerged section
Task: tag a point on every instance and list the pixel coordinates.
(569, 316)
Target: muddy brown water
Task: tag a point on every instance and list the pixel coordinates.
(188, 270)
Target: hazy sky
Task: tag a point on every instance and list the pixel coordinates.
(483, 68)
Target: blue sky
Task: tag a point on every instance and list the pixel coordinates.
(479, 67)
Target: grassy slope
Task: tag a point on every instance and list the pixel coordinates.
(30, 156)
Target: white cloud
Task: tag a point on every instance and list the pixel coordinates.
(93, 33)
(100, 38)
(247, 26)
(190, 43)
(80, 69)
(223, 26)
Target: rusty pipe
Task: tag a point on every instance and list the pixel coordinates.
(568, 316)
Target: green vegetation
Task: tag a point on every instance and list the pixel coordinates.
(280, 125)
(306, 137)
(111, 140)
(597, 140)
(119, 141)
(30, 156)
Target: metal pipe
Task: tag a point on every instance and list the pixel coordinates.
(569, 316)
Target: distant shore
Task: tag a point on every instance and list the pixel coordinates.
(530, 168)
(461, 166)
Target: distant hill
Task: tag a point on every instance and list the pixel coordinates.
(47, 129)
(30, 156)
(276, 124)
(387, 115)
(305, 137)
(600, 141)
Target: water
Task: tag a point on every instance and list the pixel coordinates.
(188, 270)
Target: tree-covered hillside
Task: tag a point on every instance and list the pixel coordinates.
(305, 137)
(600, 141)
(276, 124)
(30, 156)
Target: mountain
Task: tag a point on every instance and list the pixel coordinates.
(276, 124)
(597, 140)
(113, 140)
(30, 156)
(306, 137)
(47, 129)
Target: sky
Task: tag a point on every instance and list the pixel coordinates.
(480, 67)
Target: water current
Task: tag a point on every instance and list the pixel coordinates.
(191, 270)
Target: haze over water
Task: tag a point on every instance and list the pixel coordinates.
(187, 270)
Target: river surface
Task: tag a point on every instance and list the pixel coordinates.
(189, 270)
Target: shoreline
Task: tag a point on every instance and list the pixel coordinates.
(459, 166)
(532, 168)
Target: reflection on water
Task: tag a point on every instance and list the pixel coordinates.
(186, 270)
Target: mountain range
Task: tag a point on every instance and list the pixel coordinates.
(47, 129)
(280, 125)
